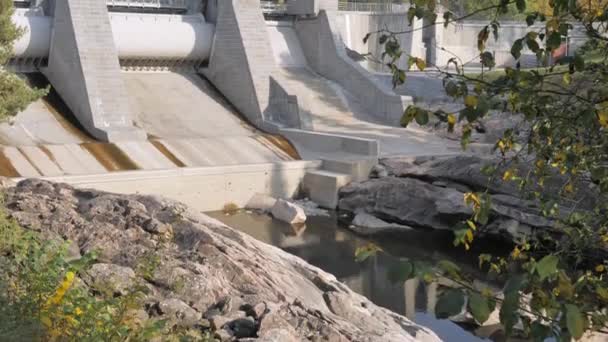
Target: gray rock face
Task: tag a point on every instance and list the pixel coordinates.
(428, 192)
(366, 224)
(465, 170)
(208, 275)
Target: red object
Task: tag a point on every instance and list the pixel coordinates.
(560, 52)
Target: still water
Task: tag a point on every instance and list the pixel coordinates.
(325, 244)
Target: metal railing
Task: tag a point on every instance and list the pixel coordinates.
(273, 7)
(169, 4)
(373, 7)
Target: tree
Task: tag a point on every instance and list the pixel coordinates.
(15, 94)
(556, 283)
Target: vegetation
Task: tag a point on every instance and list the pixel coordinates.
(15, 94)
(556, 283)
(42, 296)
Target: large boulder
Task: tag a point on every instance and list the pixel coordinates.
(466, 170)
(208, 275)
(438, 205)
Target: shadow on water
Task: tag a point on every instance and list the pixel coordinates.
(323, 243)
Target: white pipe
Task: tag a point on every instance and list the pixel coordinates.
(136, 36)
(36, 39)
(153, 36)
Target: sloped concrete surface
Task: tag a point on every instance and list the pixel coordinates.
(189, 124)
(331, 109)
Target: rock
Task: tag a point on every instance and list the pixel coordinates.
(366, 224)
(311, 208)
(176, 310)
(243, 327)
(406, 201)
(204, 263)
(466, 170)
(378, 171)
(414, 202)
(109, 277)
(288, 212)
(220, 321)
(261, 202)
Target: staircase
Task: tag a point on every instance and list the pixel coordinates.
(323, 185)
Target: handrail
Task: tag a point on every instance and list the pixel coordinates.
(373, 7)
(175, 4)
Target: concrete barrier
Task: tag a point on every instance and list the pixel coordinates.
(316, 145)
(326, 54)
(204, 188)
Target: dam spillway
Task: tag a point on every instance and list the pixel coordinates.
(206, 101)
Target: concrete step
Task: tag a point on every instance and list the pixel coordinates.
(358, 169)
(322, 186)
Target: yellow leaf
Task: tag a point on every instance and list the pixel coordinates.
(602, 117)
(515, 253)
(569, 188)
(471, 101)
(567, 78)
(600, 268)
(420, 64)
(472, 198)
(469, 235)
(507, 176)
(472, 225)
(451, 119)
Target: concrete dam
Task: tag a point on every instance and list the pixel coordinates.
(206, 101)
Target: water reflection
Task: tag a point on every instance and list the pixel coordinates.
(323, 244)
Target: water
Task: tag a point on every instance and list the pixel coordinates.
(323, 243)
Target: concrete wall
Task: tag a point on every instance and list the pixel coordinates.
(314, 145)
(358, 24)
(459, 39)
(241, 60)
(326, 54)
(204, 189)
(83, 67)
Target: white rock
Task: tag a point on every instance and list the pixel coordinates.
(367, 224)
(261, 202)
(288, 212)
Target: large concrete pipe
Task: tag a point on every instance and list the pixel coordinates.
(152, 36)
(36, 39)
(136, 36)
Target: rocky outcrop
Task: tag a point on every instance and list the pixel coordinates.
(206, 275)
(366, 224)
(428, 192)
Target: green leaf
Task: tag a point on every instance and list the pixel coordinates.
(487, 60)
(366, 38)
(547, 266)
(450, 268)
(401, 272)
(509, 315)
(554, 40)
(575, 321)
(450, 303)
(531, 18)
(518, 45)
(447, 17)
(521, 5)
(482, 38)
(480, 307)
(422, 117)
(579, 63)
(408, 115)
(362, 253)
